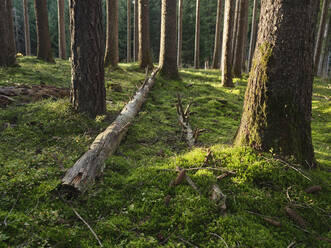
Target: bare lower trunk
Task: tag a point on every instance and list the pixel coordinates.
(168, 62)
(88, 93)
(197, 36)
(235, 29)
(180, 33)
(111, 56)
(277, 114)
(62, 30)
(319, 39)
(7, 39)
(227, 44)
(217, 42)
(128, 31)
(253, 35)
(91, 164)
(44, 50)
(144, 53)
(135, 39)
(26, 28)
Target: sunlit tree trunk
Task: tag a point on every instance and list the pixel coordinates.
(180, 33)
(128, 31)
(253, 35)
(319, 39)
(168, 62)
(227, 44)
(144, 53)
(217, 42)
(88, 94)
(26, 28)
(235, 29)
(197, 36)
(44, 50)
(135, 38)
(277, 108)
(111, 55)
(7, 40)
(62, 30)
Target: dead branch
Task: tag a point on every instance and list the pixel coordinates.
(218, 197)
(218, 236)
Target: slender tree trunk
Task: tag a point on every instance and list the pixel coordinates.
(168, 62)
(197, 36)
(16, 27)
(144, 53)
(44, 50)
(111, 56)
(235, 29)
(26, 28)
(244, 41)
(326, 50)
(253, 35)
(217, 42)
(241, 39)
(128, 31)
(180, 33)
(62, 30)
(277, 114)
(7, 39)
(227, 44)
(323, 55)
(135, 42)
(319, 40)
(88, 93)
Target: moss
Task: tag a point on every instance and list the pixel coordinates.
(125, 207)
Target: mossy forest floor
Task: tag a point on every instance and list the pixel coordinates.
(126, 207)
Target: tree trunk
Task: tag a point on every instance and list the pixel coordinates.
(253, 35)
(91, 164)
(241, 39)
(326, 51)
(168, 62)
(88, 93)
(235, 29)
(62, 30)
(144, 53)
(7, 40)
(26, 28)
(128, 31)
(277, 109)
(197, 36)
(44, 50)
(111, 56)
(217, 42)
(180, 33)
(135, 42)
(244, 41)
(319, 39)
(227, 44)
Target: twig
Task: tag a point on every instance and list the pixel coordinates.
(5, 220)
(288, 195)
(291, 245)
(193, 185)
(89, 227)
(187, 242)
(218, 236)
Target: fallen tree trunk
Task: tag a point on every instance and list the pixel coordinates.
(91, 164)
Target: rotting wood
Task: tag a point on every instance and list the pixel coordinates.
(91, 165)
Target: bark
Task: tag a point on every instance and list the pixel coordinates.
(241, 39)
(91, 164)
(111, 56)
(277, 109)
(144, 53)
(62, 30)
(44, 50)
(7, 39)
(135, 38)
(128, 31)
(253, 35)
(235, 29)
(217, 42)
(326, 49)
(88, 94)
(197, 36)
(319, 39)
(168, 50)
(227, 44)
(26, 28)
(180, 33)
(245, 44)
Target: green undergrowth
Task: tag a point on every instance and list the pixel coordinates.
(126, 206)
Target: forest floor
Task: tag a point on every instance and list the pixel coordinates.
(133, 204)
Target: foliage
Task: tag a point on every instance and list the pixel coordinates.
(126, 208)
